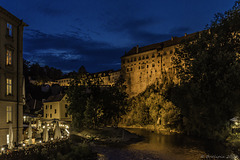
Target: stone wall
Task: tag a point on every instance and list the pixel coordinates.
(142, 67)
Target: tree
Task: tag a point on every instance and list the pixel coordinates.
(209, 70)
(92, 105)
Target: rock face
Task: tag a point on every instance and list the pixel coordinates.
(147, 65)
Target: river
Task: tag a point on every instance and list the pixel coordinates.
(165, 147)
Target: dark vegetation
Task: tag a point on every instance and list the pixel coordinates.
(93, 105)
(62, 150)
(209, 70)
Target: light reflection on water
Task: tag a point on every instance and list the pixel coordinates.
(179, 147)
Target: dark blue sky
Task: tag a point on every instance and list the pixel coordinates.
(96, 33)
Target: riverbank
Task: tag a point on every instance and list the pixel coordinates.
(232, 143)
(120, 144)
(153, 128)
(108, 135)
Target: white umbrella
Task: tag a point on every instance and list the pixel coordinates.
(10, 144)
(30, 134)
(45, 133)
(57, 132)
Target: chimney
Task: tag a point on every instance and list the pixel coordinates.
(185, 35)
(137, 49)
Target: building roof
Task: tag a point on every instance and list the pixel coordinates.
(55, 98)
(161, 45)
(4, 11)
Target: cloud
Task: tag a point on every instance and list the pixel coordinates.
(70, 51)
(138, 30)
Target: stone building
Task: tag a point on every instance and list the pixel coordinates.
(144, 66)
(11, 76)
(107, 78)
(55, 107)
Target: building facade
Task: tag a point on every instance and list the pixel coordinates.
(144, 66)
(11, 76)
(55, 107)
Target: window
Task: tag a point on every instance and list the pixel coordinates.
(50, 115)
(9, 114)
(9, 57)
(9, 86)
(66, 115)
(50, 106)
(66, 106)
(46, 106)
(46, 115)
(9, 30)
(55, 111)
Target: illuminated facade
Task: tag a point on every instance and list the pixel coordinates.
(11, 76)
(144, 66)
(55, 107)
(107, 78)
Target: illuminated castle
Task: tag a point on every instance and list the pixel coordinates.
(144, 66)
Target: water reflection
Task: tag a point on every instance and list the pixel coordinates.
(179, 146)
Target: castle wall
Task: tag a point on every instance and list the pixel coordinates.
(141, 70)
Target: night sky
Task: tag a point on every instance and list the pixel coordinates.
(66, 34)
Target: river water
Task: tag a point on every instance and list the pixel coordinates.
(165, 147)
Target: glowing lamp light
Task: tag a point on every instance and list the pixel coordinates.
(43, 126)
(23, 145)
(62, 136)
(40, 141)
(47, 124)
(2, 149)
(51, 138)
(67, 131)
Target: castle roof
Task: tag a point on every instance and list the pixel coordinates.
(161, 45)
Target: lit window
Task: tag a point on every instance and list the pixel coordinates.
(9, 113)
(9, 29)
(9, 86)
(9, 57)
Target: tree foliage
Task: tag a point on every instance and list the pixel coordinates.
(93, 105)
(209, 70)
(41, 74)
(152, 107)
